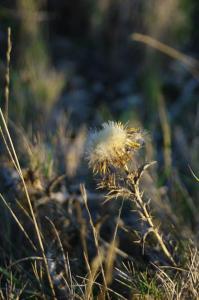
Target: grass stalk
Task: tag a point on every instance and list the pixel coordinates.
(7, 76)
(95, 235)
(18, 168)
(18, 222)
(190, 63)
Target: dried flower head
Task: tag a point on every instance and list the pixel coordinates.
(112, 146)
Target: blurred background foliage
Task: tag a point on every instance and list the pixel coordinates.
(74, 64)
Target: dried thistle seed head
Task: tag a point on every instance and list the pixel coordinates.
(107, 182)
(111, 146)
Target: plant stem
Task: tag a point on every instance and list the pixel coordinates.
(148, 217)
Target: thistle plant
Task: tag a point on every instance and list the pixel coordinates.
(109, 153)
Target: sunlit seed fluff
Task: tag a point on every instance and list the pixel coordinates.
(111, 146)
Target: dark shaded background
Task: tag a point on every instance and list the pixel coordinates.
(74, 65)
(76, 61)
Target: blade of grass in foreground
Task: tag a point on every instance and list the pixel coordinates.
(14, 158)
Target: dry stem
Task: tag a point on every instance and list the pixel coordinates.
(14, 158)
(130, 190)
(146, 214)
(7, 75)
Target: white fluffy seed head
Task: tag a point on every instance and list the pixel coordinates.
(111, 145)
(104, 144)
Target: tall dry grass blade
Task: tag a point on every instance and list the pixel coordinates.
(16, 161)
(39, 277)
(8, 149)
(83, 233)
(25, 259)
(26, 213)
(191, 63)
(112, 251)
(95, 234)
(119, 296)
(166, 132)
(109, 262)
(95, 266)
(18, 222)
(68, 277)
(193, 174)
(7, 75)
